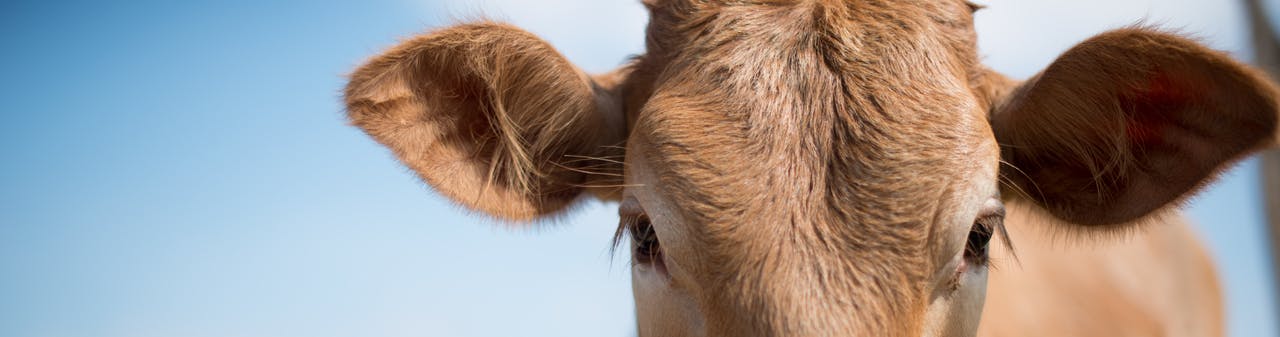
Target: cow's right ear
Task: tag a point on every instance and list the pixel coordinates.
(493, 118)
(1129, 122)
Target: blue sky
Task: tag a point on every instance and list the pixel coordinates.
(183, 169)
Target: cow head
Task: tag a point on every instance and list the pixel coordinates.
(809, 168)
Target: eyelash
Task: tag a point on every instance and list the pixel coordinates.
(977, 246)
(974, 7)
(644, 241)
(983, 230)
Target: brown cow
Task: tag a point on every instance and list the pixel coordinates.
(827, 168)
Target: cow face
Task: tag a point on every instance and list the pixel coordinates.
(811, 168)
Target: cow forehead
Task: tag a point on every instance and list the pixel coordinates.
(852, 110)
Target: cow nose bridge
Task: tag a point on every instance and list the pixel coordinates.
(797, 292)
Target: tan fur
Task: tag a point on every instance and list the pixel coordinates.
(813, 168)
(489, 115)
(778, 96)
(1159, 283)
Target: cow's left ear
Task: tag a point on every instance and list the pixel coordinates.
(1129, 122)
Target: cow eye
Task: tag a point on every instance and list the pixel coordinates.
(645, 246)
(976, 249)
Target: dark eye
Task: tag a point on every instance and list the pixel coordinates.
(976, 249)
(990, 220)
(645, 247)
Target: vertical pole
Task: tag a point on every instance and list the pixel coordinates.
(1267, 56)
(1271, 201)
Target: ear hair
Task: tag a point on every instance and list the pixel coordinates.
(992, 88)
(1129, 122)
(492, 117)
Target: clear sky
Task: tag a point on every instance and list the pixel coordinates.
(174, 168)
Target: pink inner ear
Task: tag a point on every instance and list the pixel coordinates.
(1151, 109)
